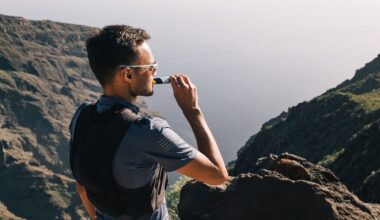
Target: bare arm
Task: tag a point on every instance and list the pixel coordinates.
(208, 165)
(90, 208)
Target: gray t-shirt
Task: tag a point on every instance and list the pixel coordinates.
(147, 142)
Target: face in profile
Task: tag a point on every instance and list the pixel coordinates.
(142, 77)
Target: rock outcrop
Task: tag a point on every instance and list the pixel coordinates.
(280, 187)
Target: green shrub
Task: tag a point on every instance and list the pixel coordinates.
(329, 159)
(173, 196)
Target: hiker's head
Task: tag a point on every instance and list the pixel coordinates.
(120, 56)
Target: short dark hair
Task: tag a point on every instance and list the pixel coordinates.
(112, 46)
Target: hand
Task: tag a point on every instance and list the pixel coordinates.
(185, 93)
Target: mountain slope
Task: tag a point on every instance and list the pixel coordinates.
(339, 129)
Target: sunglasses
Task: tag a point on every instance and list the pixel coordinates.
(151, 67)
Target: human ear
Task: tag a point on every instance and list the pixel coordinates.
(126, 74)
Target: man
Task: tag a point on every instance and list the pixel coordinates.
(124, 64)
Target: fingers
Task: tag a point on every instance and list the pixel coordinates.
(184, 92)
(176, 84)
(188, 81)
(181, 81)
(173, 81)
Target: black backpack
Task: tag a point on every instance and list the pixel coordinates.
(96, 139)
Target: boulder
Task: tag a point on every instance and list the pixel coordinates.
(282, 187)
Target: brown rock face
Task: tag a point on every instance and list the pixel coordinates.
(284, 187)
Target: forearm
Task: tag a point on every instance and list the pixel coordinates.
(208, 166)
(205, 139)
(90, 208)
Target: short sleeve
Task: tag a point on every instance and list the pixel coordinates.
(166, 147)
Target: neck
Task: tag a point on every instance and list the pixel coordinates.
(126, 95)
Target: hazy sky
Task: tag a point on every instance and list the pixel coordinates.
(287, 33)
(250, 59)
